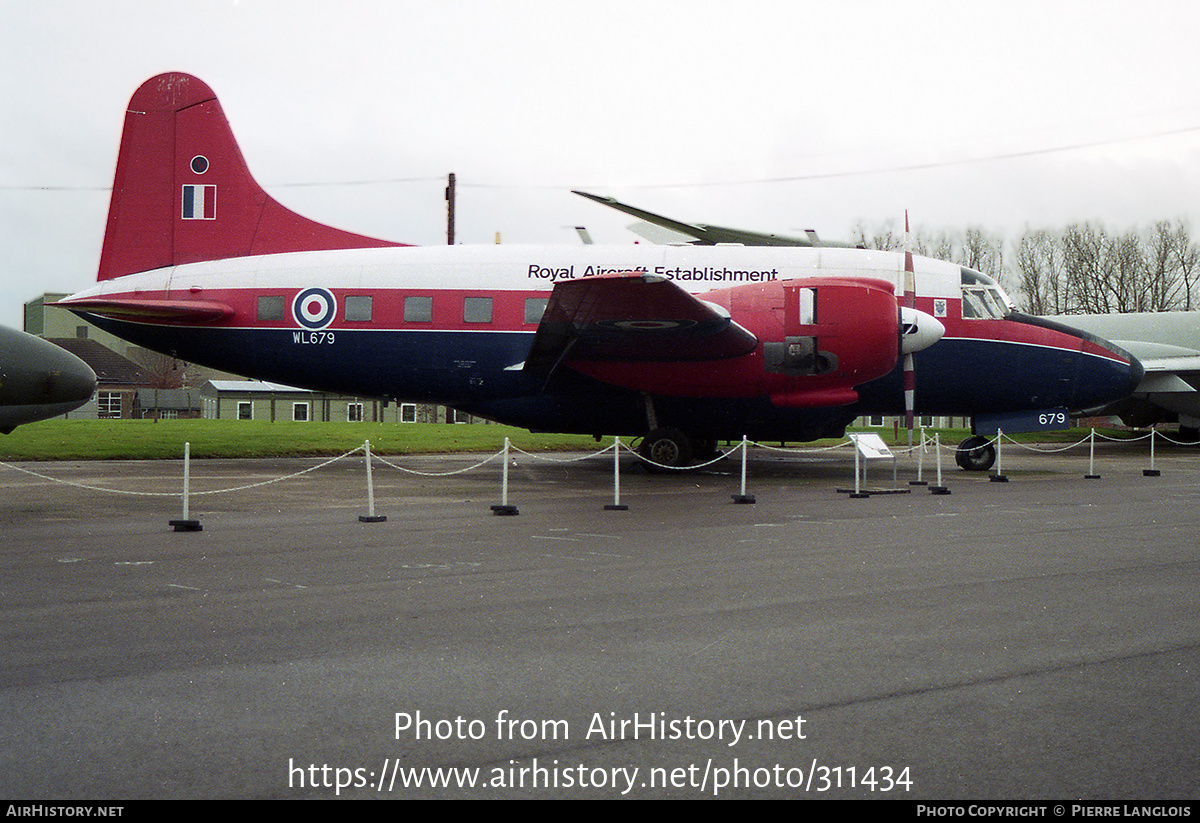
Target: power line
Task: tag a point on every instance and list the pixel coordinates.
(798, 178)
(917, 166)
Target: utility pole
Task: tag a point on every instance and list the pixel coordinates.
(449, 242)
(450, 211)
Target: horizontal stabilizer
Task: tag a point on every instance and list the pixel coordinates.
(152, 311)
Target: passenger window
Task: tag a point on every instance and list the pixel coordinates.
(358, 308)
(418, 309)
(477, 310)
(270, 307)
(535, 307)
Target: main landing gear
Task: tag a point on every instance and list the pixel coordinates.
(975, 454)
(667, 446)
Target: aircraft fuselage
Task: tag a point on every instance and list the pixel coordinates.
(454, 326)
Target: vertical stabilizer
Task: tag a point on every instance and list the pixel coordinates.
(182, 192)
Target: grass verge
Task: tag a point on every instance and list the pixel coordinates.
(163, 440)
(157, 440)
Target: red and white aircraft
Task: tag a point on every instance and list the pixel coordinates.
(683, 345)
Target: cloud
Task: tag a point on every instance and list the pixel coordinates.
(526, 100)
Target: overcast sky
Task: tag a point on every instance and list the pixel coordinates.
(761, 114)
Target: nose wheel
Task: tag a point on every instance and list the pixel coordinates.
(975, 454)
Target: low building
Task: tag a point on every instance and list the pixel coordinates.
(258, 400)
(878, 421)
(118, 379)
(168, 404)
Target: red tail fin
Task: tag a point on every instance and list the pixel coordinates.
(183, 193)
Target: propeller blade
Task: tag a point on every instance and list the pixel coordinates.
(910, 300)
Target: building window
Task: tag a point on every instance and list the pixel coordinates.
(300, 412)
(358, 308)
(270, 307)
(245, 410)
(418, 309)
(535, 307)
(108, 404)
(477, 310)
(408, 413)
(354, 412)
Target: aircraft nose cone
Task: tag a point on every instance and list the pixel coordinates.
(1133, 373)
(34, 372)
(1105, 379)
(918, 330)
(73, 382)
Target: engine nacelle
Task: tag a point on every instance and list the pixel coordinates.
(818, 339)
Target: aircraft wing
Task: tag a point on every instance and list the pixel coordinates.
(1161, 357)
(633, 317)
(702, 233)
(1168, 346)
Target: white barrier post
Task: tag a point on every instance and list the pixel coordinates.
(999, 476)
(1151, 472)
(1091, 475)
(504, 508)
(616, 505)
(743, 497)
(370, 516)
(937, 447)
(187, 524)
(920, 481)
(858, 493)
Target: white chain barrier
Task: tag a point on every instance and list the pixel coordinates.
(616, 448)
(451, 473)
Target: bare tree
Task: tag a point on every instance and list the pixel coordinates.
(1081, 269)
(1182, 259)
(1040, 275)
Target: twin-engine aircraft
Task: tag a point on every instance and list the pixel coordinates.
(681, 345)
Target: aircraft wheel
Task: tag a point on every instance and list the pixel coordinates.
(667, 447)
(975, 454)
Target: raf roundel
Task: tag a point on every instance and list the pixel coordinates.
(314, 308)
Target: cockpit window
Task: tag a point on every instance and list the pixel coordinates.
(982, 297)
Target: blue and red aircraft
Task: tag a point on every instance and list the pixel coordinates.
(681, 345)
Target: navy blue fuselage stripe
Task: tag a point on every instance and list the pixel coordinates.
(473, 371)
